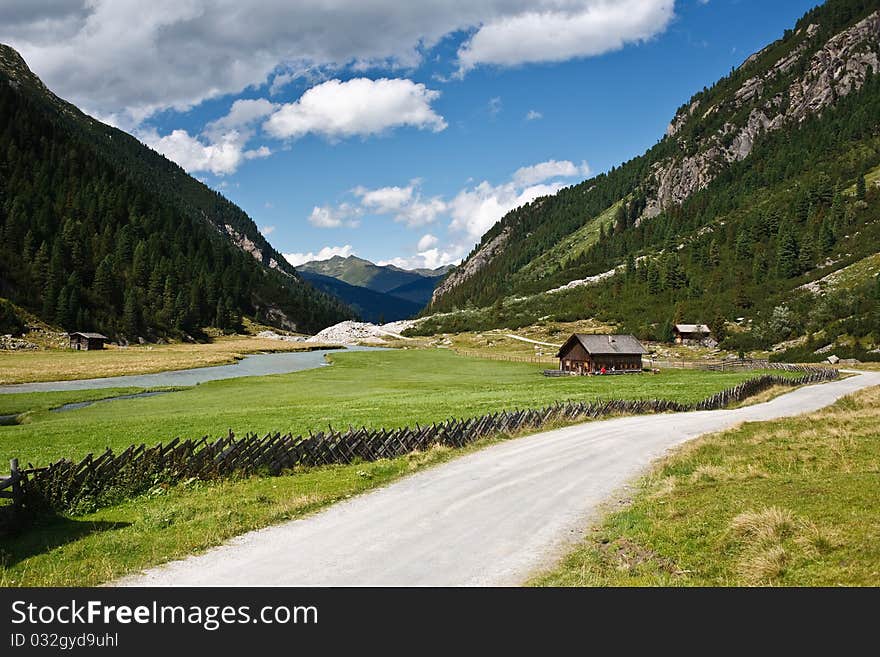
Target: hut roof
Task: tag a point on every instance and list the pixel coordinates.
(692, 328)
(606, 344)
(90, 336)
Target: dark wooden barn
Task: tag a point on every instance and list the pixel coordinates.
(589, 354)
(87, 341)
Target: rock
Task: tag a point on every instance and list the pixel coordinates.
(836, 69)
(833, 359)
(351, 332)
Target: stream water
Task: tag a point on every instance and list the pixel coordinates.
(253, 365)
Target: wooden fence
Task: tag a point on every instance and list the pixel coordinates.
(512, 358)
(11, 488)
(99, 480)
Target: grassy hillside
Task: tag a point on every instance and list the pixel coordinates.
(792, 502)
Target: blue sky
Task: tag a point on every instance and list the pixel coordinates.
(373, 128)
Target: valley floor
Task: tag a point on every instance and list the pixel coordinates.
(384, 388)
(375, 389)
(66, 364)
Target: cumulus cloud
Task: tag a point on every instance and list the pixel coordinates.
(178, 53)
(428, 241)
(475, 210)
(326, 253)
(550, 169)
(534, 115)
(328, 216)
(336, 109)
(267, 230)
(565, 31)
(429, 258)
(404, 204)
(220, 155)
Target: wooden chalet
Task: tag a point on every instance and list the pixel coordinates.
(87, 341)
(589, 354)
(691, 333)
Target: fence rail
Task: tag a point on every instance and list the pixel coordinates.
(512, 358)
(98, 480)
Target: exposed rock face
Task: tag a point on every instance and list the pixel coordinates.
(473, 264)
(247, 244)
(834, 70)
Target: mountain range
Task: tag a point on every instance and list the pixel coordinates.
(758, 212)
(378, 293)
(101, 233)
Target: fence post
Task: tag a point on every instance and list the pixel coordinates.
(15, 474)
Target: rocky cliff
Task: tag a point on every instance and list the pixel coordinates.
(837, 68)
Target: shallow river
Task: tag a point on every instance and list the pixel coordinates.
(254, 365)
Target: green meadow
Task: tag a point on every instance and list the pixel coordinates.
(379, 389)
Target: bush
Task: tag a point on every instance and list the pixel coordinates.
(10, 322)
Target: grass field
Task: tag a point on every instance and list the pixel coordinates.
(791, 502)
(378, 389)
(171, 523)
(65, 365)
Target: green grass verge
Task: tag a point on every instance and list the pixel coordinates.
(792, 502)
(375, 389)
(173, 522)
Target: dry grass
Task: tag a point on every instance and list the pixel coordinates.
(770, 525)
(62, 365)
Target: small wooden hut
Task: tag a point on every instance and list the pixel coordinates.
(590, 354)
(691, 333)
(87, 341)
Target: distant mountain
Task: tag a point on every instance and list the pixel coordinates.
(363, 273)
(99, 232)
(371, 306)
(404, 288)
(418, 291)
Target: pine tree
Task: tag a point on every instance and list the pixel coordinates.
(787, 255)
(861, 188)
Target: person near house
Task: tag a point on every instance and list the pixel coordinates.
(602, 371)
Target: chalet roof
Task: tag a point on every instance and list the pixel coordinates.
(607, 344)
(90, 336)
(692, 328)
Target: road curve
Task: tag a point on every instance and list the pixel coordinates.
(489, 518)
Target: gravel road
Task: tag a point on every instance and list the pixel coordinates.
(489, 518)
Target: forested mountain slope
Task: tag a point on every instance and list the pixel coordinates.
(101, 233)
(758, 187)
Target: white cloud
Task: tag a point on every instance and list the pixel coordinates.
(267, 230)
(326, 253)
(221, 148)
(336, 109)
(550, 169)
(495, 106)
(221, 155)
(243, 113)
(405, 204)
(328, 216)
(429, 258)
(130, 59)
(428, 241)
(475, 210)
(534, 115)
(564, 30)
